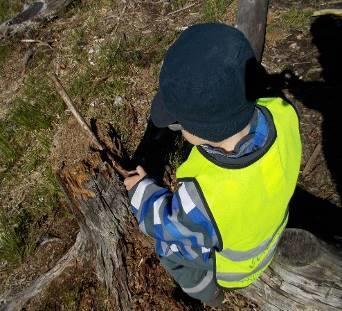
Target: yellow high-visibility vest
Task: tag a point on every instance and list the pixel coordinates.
(248, 202)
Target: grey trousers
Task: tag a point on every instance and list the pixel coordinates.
(196, 280)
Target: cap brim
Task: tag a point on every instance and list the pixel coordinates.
(159, 116)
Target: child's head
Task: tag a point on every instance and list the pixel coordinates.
(202, 84)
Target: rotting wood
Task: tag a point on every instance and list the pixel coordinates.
(98, 200)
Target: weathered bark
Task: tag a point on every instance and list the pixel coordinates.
(99, 202)
(251, 20)
(32, 15)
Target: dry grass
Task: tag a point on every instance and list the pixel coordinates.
(293, 19)
(8, 8)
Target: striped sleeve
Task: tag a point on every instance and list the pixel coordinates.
(177, 221)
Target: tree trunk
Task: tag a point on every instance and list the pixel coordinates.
(99, 201)
(251, 20)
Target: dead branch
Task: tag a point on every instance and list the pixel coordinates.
(182, 9)
(119, 19)
(38, 42)
(66, 98)
(312, 160)
(61, 91)
(251, 20)
(17, 301)
(337, 12)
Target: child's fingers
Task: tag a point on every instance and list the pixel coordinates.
(140, 170)
(129, 182)
(134, 172)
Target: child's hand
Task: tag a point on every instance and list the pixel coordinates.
(137, 175)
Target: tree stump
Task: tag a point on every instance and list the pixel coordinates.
(99, 202)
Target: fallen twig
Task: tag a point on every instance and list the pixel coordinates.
(119, 19)
(312, 160)
(182, 9)
(337, 12)
(39, 42)
(61, 91)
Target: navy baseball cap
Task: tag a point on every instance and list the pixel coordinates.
(202, 82)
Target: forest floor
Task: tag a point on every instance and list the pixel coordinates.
(108, 54)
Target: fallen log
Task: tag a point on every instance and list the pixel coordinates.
(306, 274)
(32, 15)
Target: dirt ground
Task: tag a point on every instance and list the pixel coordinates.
(292, 44)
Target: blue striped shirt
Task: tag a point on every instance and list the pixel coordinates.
(178, 221)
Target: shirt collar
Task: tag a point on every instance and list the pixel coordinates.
(254, 140)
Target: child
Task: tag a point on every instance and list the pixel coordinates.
(221, 227)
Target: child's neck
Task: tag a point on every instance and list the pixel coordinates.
(230, 143)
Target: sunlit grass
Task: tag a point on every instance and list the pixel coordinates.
(9, 8)
(213, 10)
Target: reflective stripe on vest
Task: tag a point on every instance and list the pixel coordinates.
(244, 255)
(248, 203)
(231, 276)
